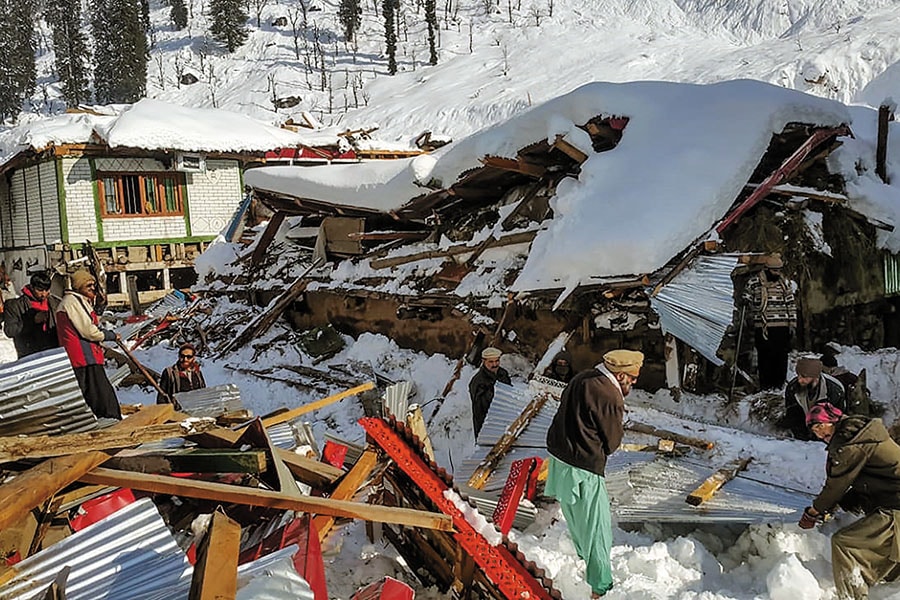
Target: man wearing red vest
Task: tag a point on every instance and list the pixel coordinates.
(78, 331)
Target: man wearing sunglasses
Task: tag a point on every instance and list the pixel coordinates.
(77, 327)
(183, 376)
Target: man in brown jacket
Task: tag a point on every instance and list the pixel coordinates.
(588, 428)
(863, 475)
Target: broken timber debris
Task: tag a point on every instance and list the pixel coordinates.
(215, 574)
(715, 481)
(43, 446)
(670, 435)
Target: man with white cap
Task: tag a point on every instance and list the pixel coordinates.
(811, 386)
(587, 428)
(481, 386)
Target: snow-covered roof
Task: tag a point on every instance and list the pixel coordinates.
(686, 153)
(154, 125)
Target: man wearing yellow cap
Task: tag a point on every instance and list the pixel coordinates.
(588, 428)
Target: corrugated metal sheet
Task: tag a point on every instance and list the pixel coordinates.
(211, 401)
(272, 577)
(697, 306)
(508, 404)
(656, 491)
(891, 274)
(487, 504)
(119, 375)
(354, 451)
(173, 303)
(396, 399)
(40, 395)
(130, 554)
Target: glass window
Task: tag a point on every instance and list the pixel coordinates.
(141, 194)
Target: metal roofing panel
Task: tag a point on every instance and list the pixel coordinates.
(509, 402)
(396, 399)
(211, 401)
(130, 554)
(697, 306)
(40, 395)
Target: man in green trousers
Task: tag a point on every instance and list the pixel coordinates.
(588, 428)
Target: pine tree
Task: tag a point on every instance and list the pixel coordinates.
(350, 13)
(388, 8)
(228, 23)
(17, 48)
(179, 14)
(120, 50)
(431, 19)
(70, 49)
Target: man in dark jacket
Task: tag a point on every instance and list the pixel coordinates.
(27, 319)
(588, 428)
(183, 376)
(770, 298)
(481, 386)
(863, 475)
(811, 386)
(560, 368)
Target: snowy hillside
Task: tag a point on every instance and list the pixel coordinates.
(492, 64)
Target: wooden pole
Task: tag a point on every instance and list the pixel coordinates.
(715, 482)
(885, 116)
(144, 372)
(290, 415)
(669, 435)
(34, 486)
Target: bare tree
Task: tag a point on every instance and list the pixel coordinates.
(535, 13)
(258, 6)
(160, 67)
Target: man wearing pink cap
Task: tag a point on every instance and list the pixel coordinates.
(862, 476)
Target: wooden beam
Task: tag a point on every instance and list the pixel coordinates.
(669, 435)
(215, 574)
(267, 236)
(715, 481)
(347, 489)
(885, 116)
(507, 240)
(205, 490)
(43, 446)
(317, 474)
(193, 460)
(569, 150)
(416, 423)
(802, 192)
(514, 165)
(290, 415)
(33, 487)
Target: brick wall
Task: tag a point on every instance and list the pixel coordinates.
(214, 196)
(81, 216)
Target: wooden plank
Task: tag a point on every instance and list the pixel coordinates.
(347, 488)
(290, 415)
(514, 165)
(317, 474)
(267, 236)
(33, 487)
(520, 237)
(43, 446)
(669, 435)
(215, 574)
(714, 482)
(504, 444)
(205, 490)
(885, 116)
(193, 460)
(569, 150)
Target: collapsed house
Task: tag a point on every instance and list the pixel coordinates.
(625, 214)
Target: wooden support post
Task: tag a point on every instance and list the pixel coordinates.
(885, 116)
(715, 482)
(133, 296)
(215, 574)
(267, 236)
(347, 488)
(669, 435)
(33, 487)
(222, 492)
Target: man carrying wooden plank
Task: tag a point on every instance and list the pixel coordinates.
(588, 428)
